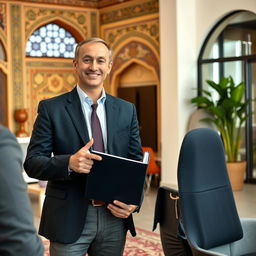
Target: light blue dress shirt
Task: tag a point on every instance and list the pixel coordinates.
(86, 103)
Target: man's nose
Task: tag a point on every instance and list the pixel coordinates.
(93, 65)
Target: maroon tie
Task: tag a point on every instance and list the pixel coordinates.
(98, 144)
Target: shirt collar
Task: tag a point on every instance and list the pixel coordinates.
(85, 98)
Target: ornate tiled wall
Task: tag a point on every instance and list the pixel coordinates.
(34, 79)
(17, 56)
(47, 79)
(132, 28)
(3, 28)
(133, 32)
(129, 11)
(37, 16)
(3, 33)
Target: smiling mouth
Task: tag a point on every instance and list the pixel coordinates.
(93, 75)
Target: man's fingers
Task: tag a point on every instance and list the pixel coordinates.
(95, 157)
(88, 145)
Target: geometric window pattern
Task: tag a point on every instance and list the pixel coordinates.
(51, 40)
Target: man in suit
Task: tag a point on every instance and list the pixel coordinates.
(59, 152)
(17, 232)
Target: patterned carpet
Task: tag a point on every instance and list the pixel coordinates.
(146, 243)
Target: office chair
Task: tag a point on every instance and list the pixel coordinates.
(209, 215)
(153, 168)
(167, 214)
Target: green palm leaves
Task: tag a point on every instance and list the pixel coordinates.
(228, 112)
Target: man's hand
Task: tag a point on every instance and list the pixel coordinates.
(121, 210)
(82, 160)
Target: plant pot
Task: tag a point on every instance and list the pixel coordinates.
(236, 172)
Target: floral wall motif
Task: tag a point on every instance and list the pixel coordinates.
(3, 34)
(36, 16)
(137, 51)
(17, 55)
(137, 40)
(133, 32)
(139, 9)
(145, 29)
(77, 3)
(3, 17)
(94, 24)
(47, 80)
(57, 75)
(131, 27)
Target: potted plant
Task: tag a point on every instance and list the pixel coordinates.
(228, 112)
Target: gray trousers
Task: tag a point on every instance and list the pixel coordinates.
(103, 235)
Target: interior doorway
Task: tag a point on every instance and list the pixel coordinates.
(137, 84)
(144, 98)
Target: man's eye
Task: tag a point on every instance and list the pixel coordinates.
(101, 61)
(87, 60)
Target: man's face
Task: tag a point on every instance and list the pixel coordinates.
(92, 65)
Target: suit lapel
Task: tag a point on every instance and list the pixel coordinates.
(75, 112)
(111, 115)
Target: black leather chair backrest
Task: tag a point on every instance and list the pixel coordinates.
(207, 204)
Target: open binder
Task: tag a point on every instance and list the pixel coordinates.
(117, 178)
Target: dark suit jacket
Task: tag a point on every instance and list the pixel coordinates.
(60, 128)
(17, 232)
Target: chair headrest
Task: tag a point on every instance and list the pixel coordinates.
(207, 203)
(202, 151)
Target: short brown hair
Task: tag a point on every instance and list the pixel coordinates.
(96, 40)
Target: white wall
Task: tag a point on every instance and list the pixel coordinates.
(184, 25)
(209, 12)
(169, 91)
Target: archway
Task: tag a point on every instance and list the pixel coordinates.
(137, 84)
(137, 53)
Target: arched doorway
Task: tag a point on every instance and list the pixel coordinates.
(138, 85)
(229, 50)
(136, 64)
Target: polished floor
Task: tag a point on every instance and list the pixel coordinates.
(245, 201)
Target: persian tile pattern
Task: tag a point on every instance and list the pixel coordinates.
(17, 55)
(46, 80)
(147, 30)
(79, 3)
(3, 17)
(94, 30)
(135, 50)
(124, 13)
(2, 36)
(36, 16)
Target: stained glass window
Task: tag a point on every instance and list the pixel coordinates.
(51, 40)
